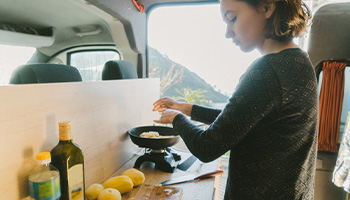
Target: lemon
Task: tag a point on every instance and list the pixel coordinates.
(122, 183)
(109, 194)
(93, 191)
(136, 176)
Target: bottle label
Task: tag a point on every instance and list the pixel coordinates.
(76, 182)
(46, 190)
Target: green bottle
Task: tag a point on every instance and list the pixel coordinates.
(68, 158)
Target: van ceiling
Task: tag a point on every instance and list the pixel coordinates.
(44, 13)
(63, 15)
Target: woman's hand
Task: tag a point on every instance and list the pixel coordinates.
(167, 116)
(167, 103)
(164, 103)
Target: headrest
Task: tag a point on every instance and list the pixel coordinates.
(44, 73)
(119, 69)
(329, 33)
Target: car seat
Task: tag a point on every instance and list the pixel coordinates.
(119, 69)
(44, 73)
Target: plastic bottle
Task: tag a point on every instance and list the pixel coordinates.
(68, 158)
(44, 180)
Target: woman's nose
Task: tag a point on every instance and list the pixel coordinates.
(229, 33)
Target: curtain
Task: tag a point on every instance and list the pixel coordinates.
(331, 102)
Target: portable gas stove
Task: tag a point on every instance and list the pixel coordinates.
(157, 150)
(164, 159)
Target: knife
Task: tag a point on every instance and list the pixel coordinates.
(192, 177)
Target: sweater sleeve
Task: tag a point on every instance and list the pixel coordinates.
(254, 98)
(204, 114)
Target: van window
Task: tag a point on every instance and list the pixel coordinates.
(191, 56)
(11, 58)
(90, 62)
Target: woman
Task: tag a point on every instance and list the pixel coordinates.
(270, 122)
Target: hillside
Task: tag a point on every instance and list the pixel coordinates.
(175, 76)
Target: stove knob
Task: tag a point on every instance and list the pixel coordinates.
(177, 157)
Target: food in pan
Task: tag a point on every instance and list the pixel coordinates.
(150, 134)
(154, 134)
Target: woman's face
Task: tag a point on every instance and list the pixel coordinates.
(245, 24)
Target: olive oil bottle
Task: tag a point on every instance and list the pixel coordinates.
(68, 158)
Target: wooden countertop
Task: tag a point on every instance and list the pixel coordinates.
(206, 189)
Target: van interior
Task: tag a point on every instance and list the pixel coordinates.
(102, 63)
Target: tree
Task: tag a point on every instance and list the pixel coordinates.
(169, 78)
(194, 96)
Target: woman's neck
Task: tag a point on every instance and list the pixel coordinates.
(272, 46)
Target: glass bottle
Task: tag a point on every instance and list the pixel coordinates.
(68, 158)
(44, 181)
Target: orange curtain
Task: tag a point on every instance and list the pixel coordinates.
(331, 102)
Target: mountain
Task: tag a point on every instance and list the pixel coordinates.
(175, 76)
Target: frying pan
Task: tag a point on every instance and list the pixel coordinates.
(154, 143)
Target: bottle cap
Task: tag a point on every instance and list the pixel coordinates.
(43, 156)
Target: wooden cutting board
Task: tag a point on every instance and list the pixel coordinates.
(151, 192)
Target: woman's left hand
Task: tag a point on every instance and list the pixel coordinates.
(167, 116)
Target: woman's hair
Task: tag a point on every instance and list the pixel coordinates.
(290, 18)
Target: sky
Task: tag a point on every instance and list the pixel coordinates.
(196, 40)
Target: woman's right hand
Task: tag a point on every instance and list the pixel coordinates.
(165, 103)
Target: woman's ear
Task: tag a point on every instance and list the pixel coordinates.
(269, 9)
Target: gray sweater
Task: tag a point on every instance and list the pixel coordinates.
(270, 127)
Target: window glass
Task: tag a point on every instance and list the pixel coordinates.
(11, 58)
(346, 103)
(192, 57)
(90, 63)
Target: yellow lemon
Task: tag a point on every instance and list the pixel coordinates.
(93, 191)
(109, 194)
(122, 183)
(136, 176)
